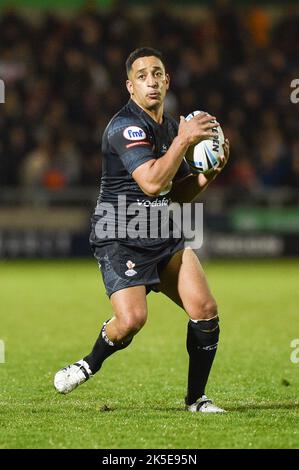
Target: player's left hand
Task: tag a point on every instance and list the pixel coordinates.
(224, 158)
(223, 161)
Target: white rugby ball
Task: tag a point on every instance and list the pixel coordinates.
(204, 156)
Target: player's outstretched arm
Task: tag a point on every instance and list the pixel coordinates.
(156, 174)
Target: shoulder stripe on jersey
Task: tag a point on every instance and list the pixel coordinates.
(143, 142)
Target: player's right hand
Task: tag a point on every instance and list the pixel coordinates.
(198, 128)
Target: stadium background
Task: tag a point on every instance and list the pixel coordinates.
(62, 63)
(64, 76)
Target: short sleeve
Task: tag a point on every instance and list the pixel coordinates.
(131, 141)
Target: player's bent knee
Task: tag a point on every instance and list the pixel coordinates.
(203, 310)
(132, 323)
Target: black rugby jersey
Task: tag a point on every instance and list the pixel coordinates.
(132, 138)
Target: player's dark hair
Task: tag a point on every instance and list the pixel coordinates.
(142, 52)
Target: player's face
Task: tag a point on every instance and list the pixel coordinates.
(148, 82)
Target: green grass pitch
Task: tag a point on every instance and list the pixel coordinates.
(51, 313)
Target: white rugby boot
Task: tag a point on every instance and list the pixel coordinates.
(68, 378)
(204, 405)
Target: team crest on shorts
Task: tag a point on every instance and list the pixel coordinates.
(130, 271)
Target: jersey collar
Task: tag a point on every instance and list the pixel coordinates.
(141, 112)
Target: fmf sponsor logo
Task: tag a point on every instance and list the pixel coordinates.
(134, 133)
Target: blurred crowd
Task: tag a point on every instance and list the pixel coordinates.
(65, 78)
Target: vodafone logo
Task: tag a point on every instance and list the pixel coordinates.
(134, 133)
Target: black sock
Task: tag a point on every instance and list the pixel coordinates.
(102, 349)
(202, 341)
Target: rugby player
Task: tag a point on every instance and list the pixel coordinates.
(143, 159)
